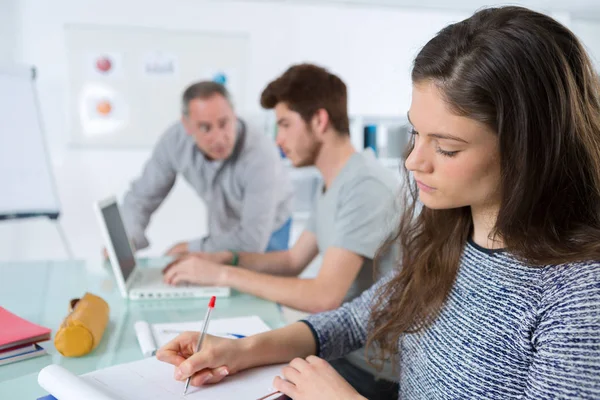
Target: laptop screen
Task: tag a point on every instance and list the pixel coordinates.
(118, 238)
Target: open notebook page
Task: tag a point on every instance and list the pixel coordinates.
(153, 336)
(247, 326)
(150, 379)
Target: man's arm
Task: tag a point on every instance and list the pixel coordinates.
(323, 293)
(263, 184)
(360, 228)
(149, 190)
(286, 263)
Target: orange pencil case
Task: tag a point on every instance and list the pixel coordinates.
(82, 330)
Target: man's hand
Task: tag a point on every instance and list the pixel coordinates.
(178, 250)
(314, 379)
(221, 257)
(194, 269)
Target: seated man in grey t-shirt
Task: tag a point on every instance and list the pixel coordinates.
(350, 219)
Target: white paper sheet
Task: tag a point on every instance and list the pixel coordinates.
(158, 335)
(64, 385)
(150, 379)
(246, 326)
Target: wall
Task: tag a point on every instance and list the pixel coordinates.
(589, 33)
(9, 32)
(370, 48)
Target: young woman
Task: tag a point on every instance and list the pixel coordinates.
(498, 291)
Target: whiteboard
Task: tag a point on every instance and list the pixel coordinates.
(26, 179)
(126, 82)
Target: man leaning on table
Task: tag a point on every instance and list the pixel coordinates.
(236, 171)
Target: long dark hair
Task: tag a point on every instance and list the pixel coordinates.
(530, 80)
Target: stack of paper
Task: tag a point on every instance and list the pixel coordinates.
(19, 338)
(150, 379)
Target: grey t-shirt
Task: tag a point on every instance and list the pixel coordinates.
(356, 213)
(359, 212)
(248, 196)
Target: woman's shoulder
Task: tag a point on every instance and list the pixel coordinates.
(573, 272)
(571, 285)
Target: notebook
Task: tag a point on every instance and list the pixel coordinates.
(150, 379)
(153, 336)
(16, 331)
(20, 353)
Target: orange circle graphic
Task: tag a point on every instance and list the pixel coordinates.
(104, 108)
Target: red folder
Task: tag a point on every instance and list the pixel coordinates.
(15, 331)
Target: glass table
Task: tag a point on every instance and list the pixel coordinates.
(40, 292)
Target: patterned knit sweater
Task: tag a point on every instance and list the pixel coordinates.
(506, 331)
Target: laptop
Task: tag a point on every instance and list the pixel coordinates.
(134, 282)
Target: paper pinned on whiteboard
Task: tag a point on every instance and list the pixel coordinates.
(103, 64)
(158, 64)
(102, 110)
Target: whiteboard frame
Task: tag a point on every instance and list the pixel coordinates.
(53, 215)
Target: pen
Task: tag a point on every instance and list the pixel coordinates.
(211, 305)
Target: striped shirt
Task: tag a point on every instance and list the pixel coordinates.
(507, 331)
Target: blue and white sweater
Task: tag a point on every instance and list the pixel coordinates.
(506, 331)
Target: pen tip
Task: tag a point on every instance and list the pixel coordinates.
(211, 304)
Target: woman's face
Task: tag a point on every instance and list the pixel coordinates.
(455, 160)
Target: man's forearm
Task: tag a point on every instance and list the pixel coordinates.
(301, 294)
(147, 193)
(136, 223)
(276, 262)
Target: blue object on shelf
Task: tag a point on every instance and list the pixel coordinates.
(370, 137)
(220, 78)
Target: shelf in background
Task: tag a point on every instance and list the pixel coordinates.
(379, 119)
(390, 133)
(393, 163)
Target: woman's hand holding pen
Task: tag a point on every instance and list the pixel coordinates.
(311, 378)
(217, 358)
